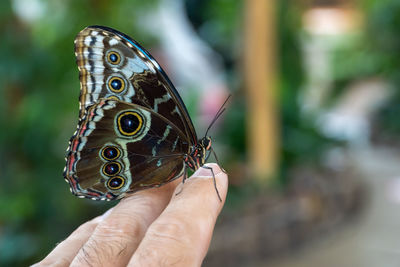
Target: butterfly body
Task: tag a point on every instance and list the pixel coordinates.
(196, 158)
(134, 131)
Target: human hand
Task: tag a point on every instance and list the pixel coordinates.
(154, 227)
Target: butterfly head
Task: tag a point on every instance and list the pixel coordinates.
(206, 142)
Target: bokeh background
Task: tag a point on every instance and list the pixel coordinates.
(310, 136)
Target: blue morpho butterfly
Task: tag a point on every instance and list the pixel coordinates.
(134, 131)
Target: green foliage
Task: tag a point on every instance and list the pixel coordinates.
(301, 141)
(218, 23)
(383, 31)
(373, 53)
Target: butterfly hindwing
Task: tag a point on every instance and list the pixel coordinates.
(122, 147)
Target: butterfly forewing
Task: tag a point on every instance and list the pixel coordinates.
(113, 65)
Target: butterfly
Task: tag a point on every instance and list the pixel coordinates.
(134, 131)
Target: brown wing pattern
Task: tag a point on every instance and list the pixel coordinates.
(119, 147)
(112, 65)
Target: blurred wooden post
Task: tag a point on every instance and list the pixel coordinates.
(261, 85)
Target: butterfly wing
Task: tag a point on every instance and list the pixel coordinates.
(112, 65)
(122, 147)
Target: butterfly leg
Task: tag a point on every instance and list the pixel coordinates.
(184, 174)
(215, 182)
(216, 159)
(183, 180)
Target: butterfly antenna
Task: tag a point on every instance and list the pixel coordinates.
(219, 113)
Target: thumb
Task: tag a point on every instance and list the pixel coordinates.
(182, 234)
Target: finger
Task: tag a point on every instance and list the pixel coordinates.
(116, 237)
(65, 252)
(182, 233)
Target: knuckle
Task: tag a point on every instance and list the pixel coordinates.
(121, 227)
(171, 230)
(94, 253)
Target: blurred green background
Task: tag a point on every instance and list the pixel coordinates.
(322, 58)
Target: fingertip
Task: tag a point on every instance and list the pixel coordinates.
(216, 178)
(209, 184)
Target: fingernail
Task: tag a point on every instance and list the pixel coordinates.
(206, 172)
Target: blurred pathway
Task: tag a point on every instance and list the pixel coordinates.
(372, 240)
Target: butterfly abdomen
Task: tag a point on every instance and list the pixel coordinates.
(198, 155)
